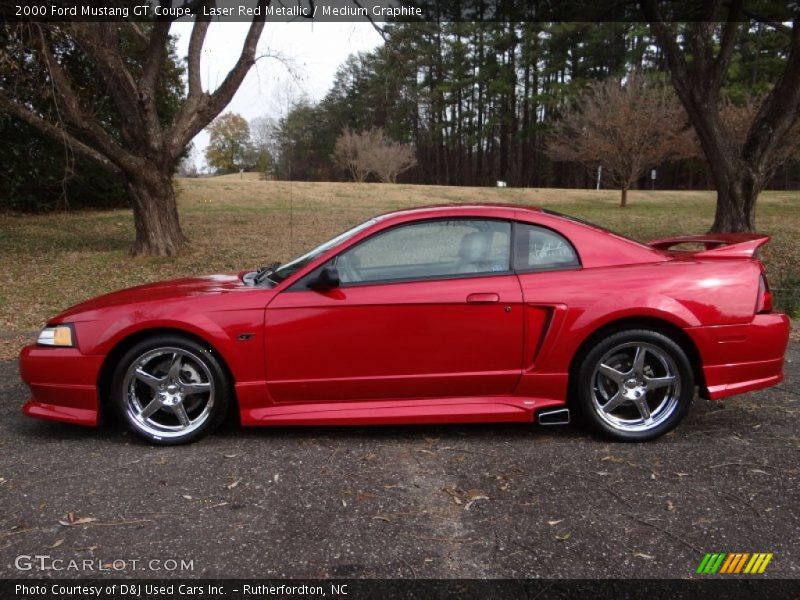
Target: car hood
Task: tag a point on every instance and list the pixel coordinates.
(162, 291)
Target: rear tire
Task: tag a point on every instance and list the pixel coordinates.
(634, 386)
(170, 390)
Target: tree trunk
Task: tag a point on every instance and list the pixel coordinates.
(737, 185)
(623, 198)
(155, 214)
(736, 204)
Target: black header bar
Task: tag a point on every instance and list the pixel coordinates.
(380, 11)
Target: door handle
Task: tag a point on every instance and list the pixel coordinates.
(483, 298)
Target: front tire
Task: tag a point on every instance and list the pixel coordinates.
(634, 385)
(170, 390)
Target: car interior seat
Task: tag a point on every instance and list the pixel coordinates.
(473, 254)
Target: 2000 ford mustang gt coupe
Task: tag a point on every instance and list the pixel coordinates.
(446, 314)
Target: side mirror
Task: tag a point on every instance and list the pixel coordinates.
(327, 279)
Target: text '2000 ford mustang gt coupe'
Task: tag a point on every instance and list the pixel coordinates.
(449, 314)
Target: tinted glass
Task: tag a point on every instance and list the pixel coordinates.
(437, 248)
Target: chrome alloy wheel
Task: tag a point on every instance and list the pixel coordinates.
(636, 386)
(169, 392)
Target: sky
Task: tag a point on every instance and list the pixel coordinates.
(310, 54)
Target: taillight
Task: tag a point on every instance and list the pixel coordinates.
(764, 303)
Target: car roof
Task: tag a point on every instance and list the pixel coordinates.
(454, 208)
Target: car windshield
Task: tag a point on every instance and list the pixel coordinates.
(298, 263)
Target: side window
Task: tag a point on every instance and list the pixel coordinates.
(436, 248)
(541, 248)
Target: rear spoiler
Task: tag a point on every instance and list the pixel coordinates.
(718, 245)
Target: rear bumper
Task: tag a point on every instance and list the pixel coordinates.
(742, 358)
(63, 384)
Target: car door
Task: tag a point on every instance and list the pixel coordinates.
(423, 309)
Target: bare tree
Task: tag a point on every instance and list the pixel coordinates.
(266, 144)
(388, 158)
(372, 152)
(699, 57)
(187, 167)
(140, 147)
(352, 151)
(628, 127)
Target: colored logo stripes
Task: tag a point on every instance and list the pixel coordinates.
(734, 562)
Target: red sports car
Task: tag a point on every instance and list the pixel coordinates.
(447, 314)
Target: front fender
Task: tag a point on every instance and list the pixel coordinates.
(244, 358)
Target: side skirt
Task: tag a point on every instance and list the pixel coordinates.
(489, 409)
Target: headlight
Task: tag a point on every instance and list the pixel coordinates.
(58, 335)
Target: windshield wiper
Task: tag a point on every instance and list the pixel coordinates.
(264, 272)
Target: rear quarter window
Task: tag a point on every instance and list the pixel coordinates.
(539, 248)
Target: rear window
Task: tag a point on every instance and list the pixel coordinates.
(555, 213)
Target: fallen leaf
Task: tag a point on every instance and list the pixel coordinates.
(670, 505)
(84, 520)
(387, 519)
(344, 503)
(160, 461)
(230, 455)
(602, 473)
(554, 522)
(276, 477)
(564, 537)
(682, 474)
(234, 483)
(611, 458)
(56, 544)
(646, 556)
(364, 496)
(473, 500)
(453, 493)
(186, 497)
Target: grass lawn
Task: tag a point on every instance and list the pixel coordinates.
(49, 262)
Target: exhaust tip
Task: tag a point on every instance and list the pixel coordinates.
(556, 416)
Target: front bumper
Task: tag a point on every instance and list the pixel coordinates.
(742, 358)
(63, 384)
